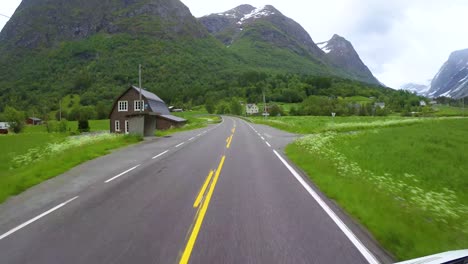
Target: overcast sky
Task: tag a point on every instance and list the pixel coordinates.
(401, 41)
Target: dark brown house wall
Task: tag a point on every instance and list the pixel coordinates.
(131, 95)
(163, 124)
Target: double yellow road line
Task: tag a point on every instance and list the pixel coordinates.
(201, 215)
(204, 202)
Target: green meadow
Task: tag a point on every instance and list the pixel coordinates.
(405, 182)
(34, 156)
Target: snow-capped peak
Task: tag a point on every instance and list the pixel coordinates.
(263, 11)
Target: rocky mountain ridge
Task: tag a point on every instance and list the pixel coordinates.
(452, 78)
(246, 23)
(341, 53)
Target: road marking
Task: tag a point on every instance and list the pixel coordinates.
(262, 138)
(36, 218)
(159, 155)
(115, 177)
(192, 138)
(229, 142)
(268, 144)
(199, 221)
(180, 144)
(357, 243)
(203, 189)
(198, 135)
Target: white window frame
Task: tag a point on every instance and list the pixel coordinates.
(127, 127)
(142, 105)
(117, 126)
(120, 106)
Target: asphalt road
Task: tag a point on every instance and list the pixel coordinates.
(223, 194)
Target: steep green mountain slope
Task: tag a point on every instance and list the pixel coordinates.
(51, 48)
(266, 37)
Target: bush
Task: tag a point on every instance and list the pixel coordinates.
(57, 126)
(83, 126)
(15, 119)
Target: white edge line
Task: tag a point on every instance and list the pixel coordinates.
(190, 139)
(262, 138)
(180, 144)
(357, 243)
(159, 155)
(268, 144)
(36, 218)
(115, 177)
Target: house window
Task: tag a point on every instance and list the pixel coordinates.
(117, 126)
(138, 105)
(123, 106)
(127, 128)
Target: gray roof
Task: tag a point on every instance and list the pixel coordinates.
(35, 118)
(148, 95)
(156, 104)
(158, 107)
(173, 118)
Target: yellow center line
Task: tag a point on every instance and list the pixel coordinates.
(202, 190)
(229, 142)
(199, 221)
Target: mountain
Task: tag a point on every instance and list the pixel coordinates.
(251, 30)
(452, 78)
(48, 22)
(341, 53)
(92, 48)
(271, 25)
(265, 37)
(420, 89)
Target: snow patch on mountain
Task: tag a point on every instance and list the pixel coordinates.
(255, 14)
(324, 46)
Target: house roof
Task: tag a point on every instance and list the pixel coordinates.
(173, 118)
(148, 95)
(35, 118)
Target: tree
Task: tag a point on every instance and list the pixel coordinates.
(15, 119)
(102, 111)
(276, 110)
(210, 106)
(236, 107)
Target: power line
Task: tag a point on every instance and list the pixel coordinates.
(5, 16)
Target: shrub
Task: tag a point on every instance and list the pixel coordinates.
(15, 119)
(83, 126)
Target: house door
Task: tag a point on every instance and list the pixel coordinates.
(127, 128)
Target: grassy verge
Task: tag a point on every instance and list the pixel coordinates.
(443, 110)
(29, 159)
(407, 184)
(195, 120)
(318, 124)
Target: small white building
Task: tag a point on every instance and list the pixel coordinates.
(381, 105)
(4, 125)
(422, 103)
(251, 109)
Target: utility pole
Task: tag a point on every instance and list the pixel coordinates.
(139, 77)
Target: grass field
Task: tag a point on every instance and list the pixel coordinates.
(29, 158)
(407, 184)
(317, 124)
(443, 110)
(195, 120)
